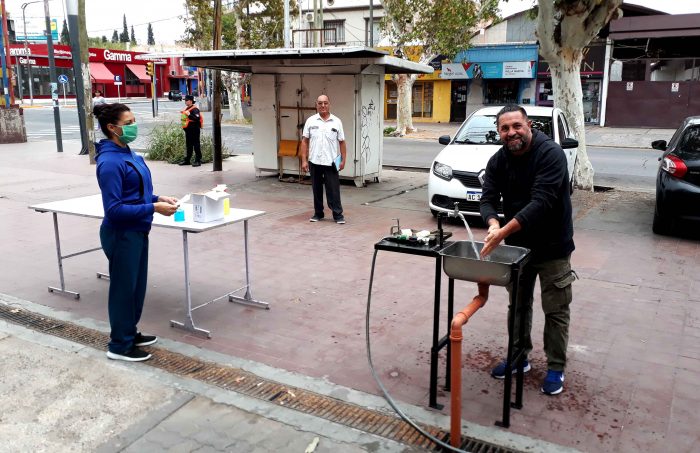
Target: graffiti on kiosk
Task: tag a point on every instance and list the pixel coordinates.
(368, 112)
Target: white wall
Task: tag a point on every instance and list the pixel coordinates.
(492, 35)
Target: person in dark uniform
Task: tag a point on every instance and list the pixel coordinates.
(192, 123)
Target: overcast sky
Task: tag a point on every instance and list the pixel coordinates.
(103, 16)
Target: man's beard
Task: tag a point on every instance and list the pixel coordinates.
(516, 146)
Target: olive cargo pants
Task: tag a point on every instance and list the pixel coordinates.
(556, 278)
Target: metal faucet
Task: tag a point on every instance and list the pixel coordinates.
(455, 213)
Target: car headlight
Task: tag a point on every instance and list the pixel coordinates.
(442, 171)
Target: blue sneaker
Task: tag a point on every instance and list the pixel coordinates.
(499, 372)
(554, 383)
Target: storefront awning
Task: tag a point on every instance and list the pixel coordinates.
(140, 72)
(100, 74)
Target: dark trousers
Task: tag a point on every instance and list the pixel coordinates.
(556, 278)
(127, 252)
(192, 144)
(326, 175)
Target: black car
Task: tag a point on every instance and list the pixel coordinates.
(175, 95)
(678, 180)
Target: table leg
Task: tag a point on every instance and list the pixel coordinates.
(508, 379)
(62, 290)
(188, 324)
(436, 337)
(450, 315)
(247, 299)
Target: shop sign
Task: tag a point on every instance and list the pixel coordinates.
(517, 70)
(453, 71)
(27, 60)
(116, 56)
(674, 87)
(630, 86)
(18, 51)
(489, 70)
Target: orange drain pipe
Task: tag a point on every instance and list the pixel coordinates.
(458, 321)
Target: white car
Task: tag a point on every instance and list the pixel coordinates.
(455, 172)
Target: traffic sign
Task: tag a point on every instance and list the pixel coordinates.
(117, 78)
(62, 78)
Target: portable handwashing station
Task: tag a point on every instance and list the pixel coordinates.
(460, 260)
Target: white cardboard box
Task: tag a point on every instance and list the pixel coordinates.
(208, 206)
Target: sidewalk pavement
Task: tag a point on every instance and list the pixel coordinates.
(71, 102)
(596, 136)
(634, 350)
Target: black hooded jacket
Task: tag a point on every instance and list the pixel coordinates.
(535, 191)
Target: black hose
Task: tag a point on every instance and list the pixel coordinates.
(388, 397)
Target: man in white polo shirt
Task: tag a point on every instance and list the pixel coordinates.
(323, 155)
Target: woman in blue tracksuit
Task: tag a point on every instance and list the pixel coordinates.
(129, 204)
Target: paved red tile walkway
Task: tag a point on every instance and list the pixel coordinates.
(635, 336)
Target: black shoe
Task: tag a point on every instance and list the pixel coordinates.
(196, 164)
(144, 340)
(340, 220)
(134, 355)
(316, 218)
(184, 162)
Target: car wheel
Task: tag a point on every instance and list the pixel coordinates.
(662, 225)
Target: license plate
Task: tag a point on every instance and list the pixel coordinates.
(473, 196)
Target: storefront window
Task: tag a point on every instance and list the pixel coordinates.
(41, 86)
(501, 91)
(545, 93)
(591, 100)
(422, 97)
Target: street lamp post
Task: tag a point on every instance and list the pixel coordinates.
(26, 52)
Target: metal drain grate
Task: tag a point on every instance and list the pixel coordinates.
(249, 384)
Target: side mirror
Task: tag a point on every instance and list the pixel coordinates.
(444, 140)
(659, 144)
(569, 143)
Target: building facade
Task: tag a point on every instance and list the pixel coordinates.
(117, 73)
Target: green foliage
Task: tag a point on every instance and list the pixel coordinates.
(151, 40)
(115, 37)
(388, 131)
(263, 28)
(132, 38)
(102, 43)
(167, 142)
(442, 27)
(65, 36)
(124, 35)
(199, 24)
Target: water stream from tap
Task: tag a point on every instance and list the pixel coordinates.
(471, 236)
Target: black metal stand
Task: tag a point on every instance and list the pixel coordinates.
(432, 251)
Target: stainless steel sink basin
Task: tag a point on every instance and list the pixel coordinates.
(460, 262)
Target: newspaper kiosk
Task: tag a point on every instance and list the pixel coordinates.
(285, 85)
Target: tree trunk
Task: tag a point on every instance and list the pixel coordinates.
(404, 117)
(568, 96)
(234, 99)
(564, 29)
(87, 82)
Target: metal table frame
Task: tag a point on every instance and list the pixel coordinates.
(437, 342)
(91, 206)
(513, 357)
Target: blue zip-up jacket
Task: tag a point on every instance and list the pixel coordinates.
(127, 188)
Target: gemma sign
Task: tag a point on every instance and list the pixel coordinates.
(116, 56)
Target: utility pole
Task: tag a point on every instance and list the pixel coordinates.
(52, 78)
(6, 71)
(74, 20)
(216, 108)
(26, 52)
(371, 23)
(287, 40)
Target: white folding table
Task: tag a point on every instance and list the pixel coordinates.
(91, 206)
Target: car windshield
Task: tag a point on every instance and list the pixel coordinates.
(689, 145)
(481, 129)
